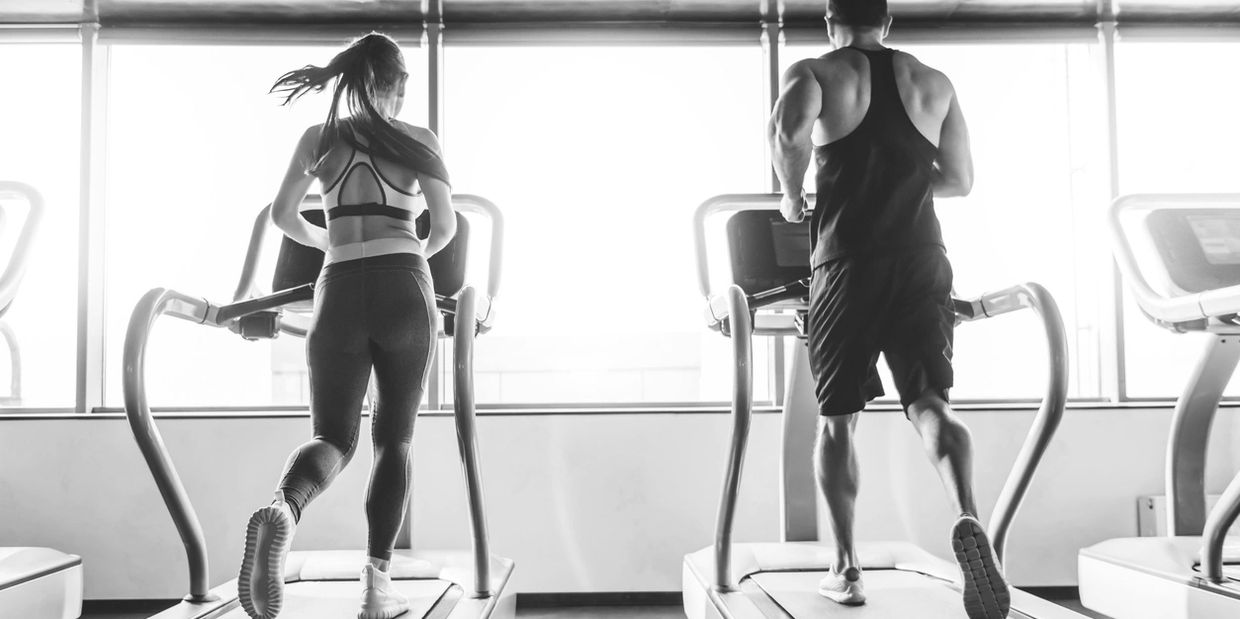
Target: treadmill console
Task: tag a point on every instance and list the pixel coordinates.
(767, 252)
(1200, 248)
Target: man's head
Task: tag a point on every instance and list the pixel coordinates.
(858, 17)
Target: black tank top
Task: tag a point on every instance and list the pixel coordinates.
(875, 186)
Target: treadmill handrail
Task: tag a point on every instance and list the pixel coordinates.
(1046, 422)
(1050, 413)
(467, 442)
(13, 273)
(155, 303)
(742, 412)
(1167, 310)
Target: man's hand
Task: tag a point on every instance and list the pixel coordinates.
(793, 207)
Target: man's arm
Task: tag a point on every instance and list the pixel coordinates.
(285, 209)
(789, 135)
(955, 163)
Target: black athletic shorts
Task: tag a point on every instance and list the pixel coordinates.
(899, 305)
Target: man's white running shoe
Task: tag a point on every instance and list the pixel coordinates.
(986, 594)
(843, 588)
(268, 537)
(380, 600)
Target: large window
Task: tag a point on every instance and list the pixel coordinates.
(1035, 123)
(598, 157)
(196, 147)
(40, 113)
(1175, 136)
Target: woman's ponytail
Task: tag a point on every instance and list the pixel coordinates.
(357, 82)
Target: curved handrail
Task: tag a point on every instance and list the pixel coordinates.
(1050, 413)
(154, 304)
(13, 273)
(467, 441)
(15, 364)
(471, 203)
(742, 411)
(1169, 310)
(1217, 524)
(246, 285)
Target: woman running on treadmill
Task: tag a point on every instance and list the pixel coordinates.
(374, 308)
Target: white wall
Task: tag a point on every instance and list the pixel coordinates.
(582, 502)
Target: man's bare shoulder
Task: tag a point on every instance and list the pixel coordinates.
(829, 68)
(922, 74)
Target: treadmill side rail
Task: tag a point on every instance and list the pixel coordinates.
(154, 304)
(467, 441)
(742, 410)
(1050, 413)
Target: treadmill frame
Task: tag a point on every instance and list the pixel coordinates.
(14, 272)
(1180, 311)
(489, 574)
(738, 316)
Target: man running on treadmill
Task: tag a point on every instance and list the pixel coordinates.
(887, 136)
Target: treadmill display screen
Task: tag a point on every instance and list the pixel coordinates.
(1219, 236)
(791, 244)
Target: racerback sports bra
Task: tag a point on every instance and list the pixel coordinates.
(363, 176)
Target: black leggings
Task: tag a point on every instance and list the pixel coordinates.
(372, 312)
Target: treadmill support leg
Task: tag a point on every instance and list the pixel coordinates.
(1190, 435)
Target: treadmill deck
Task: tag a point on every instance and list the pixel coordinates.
(889, 593)
(340, 598)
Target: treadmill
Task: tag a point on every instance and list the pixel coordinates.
(14, 271)
(770, 278)
(1180, 255)
(439, 584)
(35, 583)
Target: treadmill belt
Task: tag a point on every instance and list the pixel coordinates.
(337, 599)
(889, 593)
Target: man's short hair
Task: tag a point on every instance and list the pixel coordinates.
(860, 13)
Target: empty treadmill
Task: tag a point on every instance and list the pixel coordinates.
(767, 295)
(1180, 255)
(441, 585)
(14, 270)
(35, 583)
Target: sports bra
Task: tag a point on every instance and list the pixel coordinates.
(383, 197)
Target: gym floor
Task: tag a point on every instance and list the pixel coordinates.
(576, 612)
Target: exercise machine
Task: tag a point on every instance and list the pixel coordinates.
(768, 295)
(440, 585)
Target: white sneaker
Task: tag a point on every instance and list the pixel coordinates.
(380, 600)
(843, 588)
(268, 537)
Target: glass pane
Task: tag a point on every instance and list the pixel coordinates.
(598, 157)
(189, 166)
(1175, 136)
(1033, 214)
(41, 114)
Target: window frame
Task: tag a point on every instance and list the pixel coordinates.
(91, 347)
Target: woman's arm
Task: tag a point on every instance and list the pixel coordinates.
(438, 196)
(443, 217)
(285, 209)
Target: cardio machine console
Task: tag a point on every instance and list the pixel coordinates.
(767, 252)
(1199, 248)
